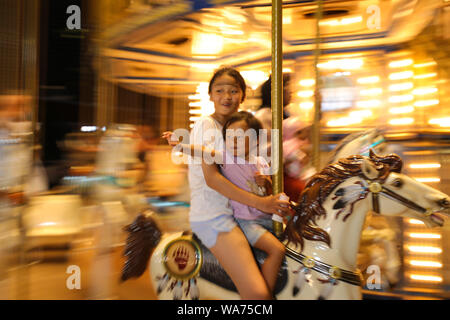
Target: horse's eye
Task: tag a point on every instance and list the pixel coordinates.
(397, 183)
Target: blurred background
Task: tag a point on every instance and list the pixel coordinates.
(87, 88)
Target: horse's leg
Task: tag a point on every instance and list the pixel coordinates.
(234, 254)
(275, 253)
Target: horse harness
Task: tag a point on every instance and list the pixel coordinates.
(332, 272)
(377, 189)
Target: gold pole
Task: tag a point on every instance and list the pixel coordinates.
(277, 102)
(317, 97)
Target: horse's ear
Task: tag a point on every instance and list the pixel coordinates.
(368, 169)
(372, 153)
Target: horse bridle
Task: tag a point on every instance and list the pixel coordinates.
(376, 188)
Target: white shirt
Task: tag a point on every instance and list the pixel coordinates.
(206, 203)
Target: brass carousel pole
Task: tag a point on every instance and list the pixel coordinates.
(277, 102)
(317, 97)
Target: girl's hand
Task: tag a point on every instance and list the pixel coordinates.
(273, 205)
(171, 139)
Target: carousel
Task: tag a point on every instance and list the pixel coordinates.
(366, 77)
(367, 90)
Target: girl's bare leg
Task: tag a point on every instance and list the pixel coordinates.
(234, 254)
(275, 253)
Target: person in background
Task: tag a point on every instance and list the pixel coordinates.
(264, 113)
(296, 156)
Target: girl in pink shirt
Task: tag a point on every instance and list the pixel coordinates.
(246, 170)
(240, 164)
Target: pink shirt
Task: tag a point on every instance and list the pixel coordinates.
(243, 176)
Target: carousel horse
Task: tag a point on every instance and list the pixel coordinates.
(359, 143)
(322, 238)
(378, 239)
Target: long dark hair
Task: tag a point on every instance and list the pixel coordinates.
(232, 73)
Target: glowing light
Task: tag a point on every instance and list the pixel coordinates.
(287, 19)
(361, 114)
(428, 179)
(401, 110)
(47, 224)
(401, 63)
(425, 76)
(341, 22)
(204, 67)
(307, 82)
(368, 103)
(344, 64)
(425, 165)
(415, 221)
(203, 101)
(424, 91)
(344, 121)
(371, 92)
(306, 94)
(401, 75)
(425, 263)
(368, 80)
(254, 77)
(306, 105)
(193, 119)
(401, 121)
(88, 129)
(207, 44)
(287, 70)
(232, 32)
(425, 64)
(401, 98)
(424, 249)
(420, 277)
(425, 235)
(401, 86)
(443, 122)
(426, 103)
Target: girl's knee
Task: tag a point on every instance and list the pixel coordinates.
(278, 250)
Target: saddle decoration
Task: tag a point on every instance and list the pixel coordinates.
(182, 260)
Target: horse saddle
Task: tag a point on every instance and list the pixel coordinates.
(212, 271)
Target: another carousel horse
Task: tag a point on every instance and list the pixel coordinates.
(322, 239)
(359, 143)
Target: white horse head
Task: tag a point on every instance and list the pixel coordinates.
(405, 196)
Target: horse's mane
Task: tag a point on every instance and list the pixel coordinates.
(303, 225)
(344, 142)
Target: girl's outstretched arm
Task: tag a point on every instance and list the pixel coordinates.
(193, 150)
